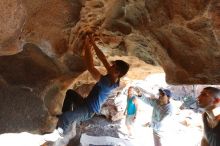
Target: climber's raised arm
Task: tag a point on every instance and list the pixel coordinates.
(88, 58)
(100, 54)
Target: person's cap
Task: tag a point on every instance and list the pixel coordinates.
(167, 92)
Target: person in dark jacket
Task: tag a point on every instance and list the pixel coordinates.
(209, 102)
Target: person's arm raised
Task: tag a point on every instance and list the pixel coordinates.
(149, 99)
(88, 58)
(100, 54)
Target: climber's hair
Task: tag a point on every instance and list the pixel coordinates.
(122, 67)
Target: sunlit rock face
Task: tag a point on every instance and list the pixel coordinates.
(41, 46)
(182, 36)
(188, 33)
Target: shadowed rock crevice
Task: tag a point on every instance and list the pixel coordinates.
(29, 67)
(21, 110)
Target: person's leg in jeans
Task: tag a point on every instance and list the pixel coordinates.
(66, 120)
(71, 101)
(81, 113)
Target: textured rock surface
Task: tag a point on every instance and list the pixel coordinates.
(188, 39)
(12, 15)
(183, 37)
(41, 43)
